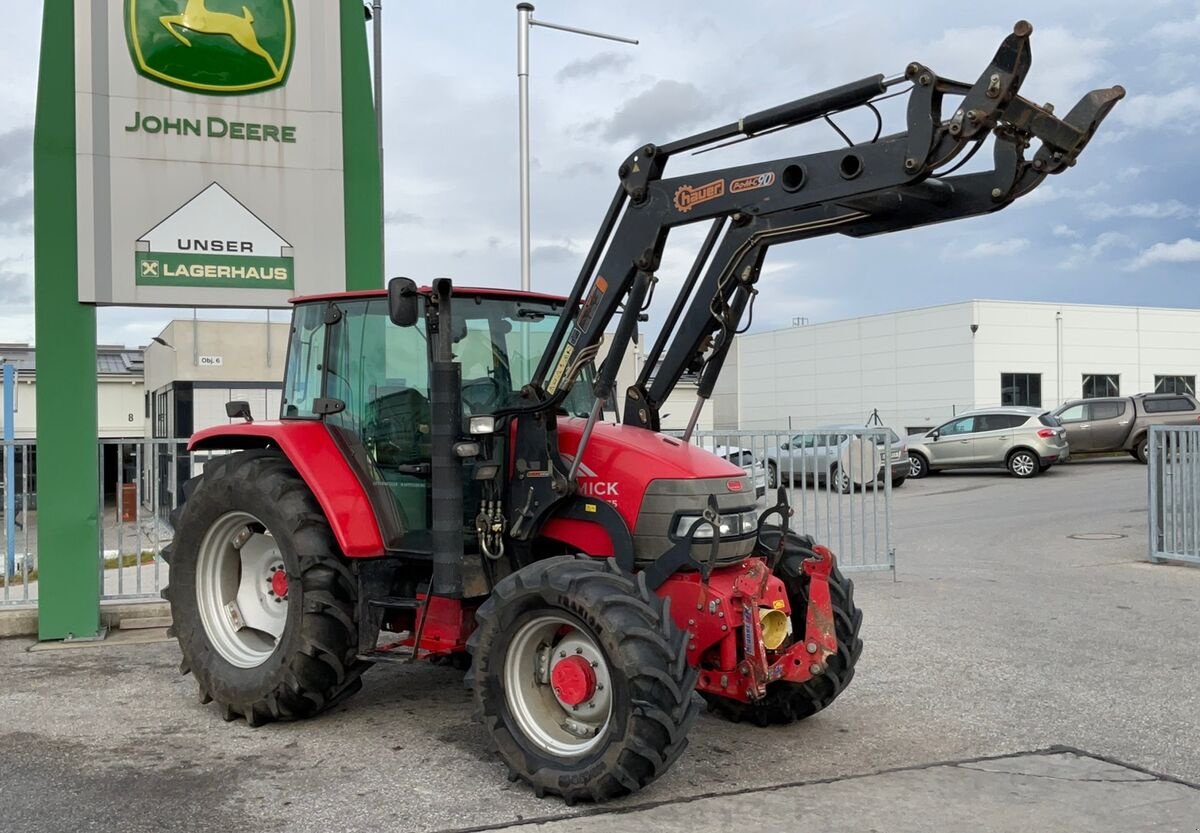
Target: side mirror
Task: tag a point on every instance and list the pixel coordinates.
(935, 433)
(785, 446)
(238, 409)
(402, 301)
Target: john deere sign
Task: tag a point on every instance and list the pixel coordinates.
(212, 46)
(225, 151)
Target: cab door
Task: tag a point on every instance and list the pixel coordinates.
(1079, 428)
(1108, 423)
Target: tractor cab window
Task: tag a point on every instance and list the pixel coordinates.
(306, 352)
(498, 342)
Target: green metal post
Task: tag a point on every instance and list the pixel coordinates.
(363, 183)
(67, 463)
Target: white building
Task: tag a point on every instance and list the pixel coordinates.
(918, 367)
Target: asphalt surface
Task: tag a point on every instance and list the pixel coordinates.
(1001, 635)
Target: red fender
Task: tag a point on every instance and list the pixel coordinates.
(312, 451)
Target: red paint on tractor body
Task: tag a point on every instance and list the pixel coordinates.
(620, 462)
(309, 447)
(722, 620)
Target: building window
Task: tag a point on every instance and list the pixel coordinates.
(1021, 389)
(160, 416)
(1175, 384)
(1096, 385)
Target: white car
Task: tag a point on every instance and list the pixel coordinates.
(745, 459)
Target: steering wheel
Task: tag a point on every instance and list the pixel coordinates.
(481, 395)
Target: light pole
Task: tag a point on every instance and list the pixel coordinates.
(524, 22)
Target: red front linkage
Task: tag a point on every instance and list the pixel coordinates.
(724, 619)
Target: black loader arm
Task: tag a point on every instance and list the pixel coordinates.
(892, 182)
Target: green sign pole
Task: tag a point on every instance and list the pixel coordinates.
(68, 469)
(363, 181)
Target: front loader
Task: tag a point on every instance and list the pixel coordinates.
(443, 483)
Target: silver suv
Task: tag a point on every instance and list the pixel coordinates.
(1026, 441)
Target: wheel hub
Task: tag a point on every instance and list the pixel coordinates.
(279, 583)
(558, 685)
(573, 680)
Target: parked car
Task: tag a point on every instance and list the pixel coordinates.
(746, 459)
(817, 456)
(1122, 423)
(1026, 441)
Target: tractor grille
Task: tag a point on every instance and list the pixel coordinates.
(666, 500)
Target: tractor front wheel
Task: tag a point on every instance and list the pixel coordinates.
(262, 600)
(581, 679)
(787, 702)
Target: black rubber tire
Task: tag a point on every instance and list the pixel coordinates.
(843, 486)
(788, 702)
(1010, 463)
(923, 470)
(1141, 450)
(315, 663)
(653, 686)
(898, 481)
(772, 476)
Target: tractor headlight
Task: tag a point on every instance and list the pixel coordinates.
(733, 525)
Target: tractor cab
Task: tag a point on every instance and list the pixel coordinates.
(369, 380)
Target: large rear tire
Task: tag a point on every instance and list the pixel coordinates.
(788, 702)
(263, 602)
(581, 678)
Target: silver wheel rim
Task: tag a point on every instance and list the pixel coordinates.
(553, 725)
(914, 467)
(772, 477)
(1023, 465)
(236, 583)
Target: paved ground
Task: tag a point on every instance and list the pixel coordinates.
(1002, 635)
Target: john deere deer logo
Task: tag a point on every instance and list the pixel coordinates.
(221, 47)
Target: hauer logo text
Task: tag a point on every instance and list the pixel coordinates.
(220, 47)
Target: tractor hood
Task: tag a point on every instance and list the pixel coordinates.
(635, 454)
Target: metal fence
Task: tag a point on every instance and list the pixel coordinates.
(839, 484)
(839, 488)
(140, 483)
(1174, 458)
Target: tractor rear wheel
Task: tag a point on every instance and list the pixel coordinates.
(787, 702)
(581, 678)
(263, 602)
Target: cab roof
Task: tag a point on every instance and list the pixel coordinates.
(485, 291)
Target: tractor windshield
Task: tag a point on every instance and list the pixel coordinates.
(368, 359)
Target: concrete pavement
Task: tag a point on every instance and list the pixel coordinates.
(1002, 635)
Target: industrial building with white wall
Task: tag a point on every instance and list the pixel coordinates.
(918, 367)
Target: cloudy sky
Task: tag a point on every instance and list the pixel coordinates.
(1122, 227)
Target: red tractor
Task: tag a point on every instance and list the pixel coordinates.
(441, 483)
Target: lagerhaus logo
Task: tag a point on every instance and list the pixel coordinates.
(219, 47)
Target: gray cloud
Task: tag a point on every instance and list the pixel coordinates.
(553, 253)
(16, 151)
(595, 65)
(396, 217)
(16, 212)
(664, 110)
(15, 287)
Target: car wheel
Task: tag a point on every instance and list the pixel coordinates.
(841, 480)
(1142, 450)
(899, 481)
(772, 476)
(917, 467)
(1024, 464)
